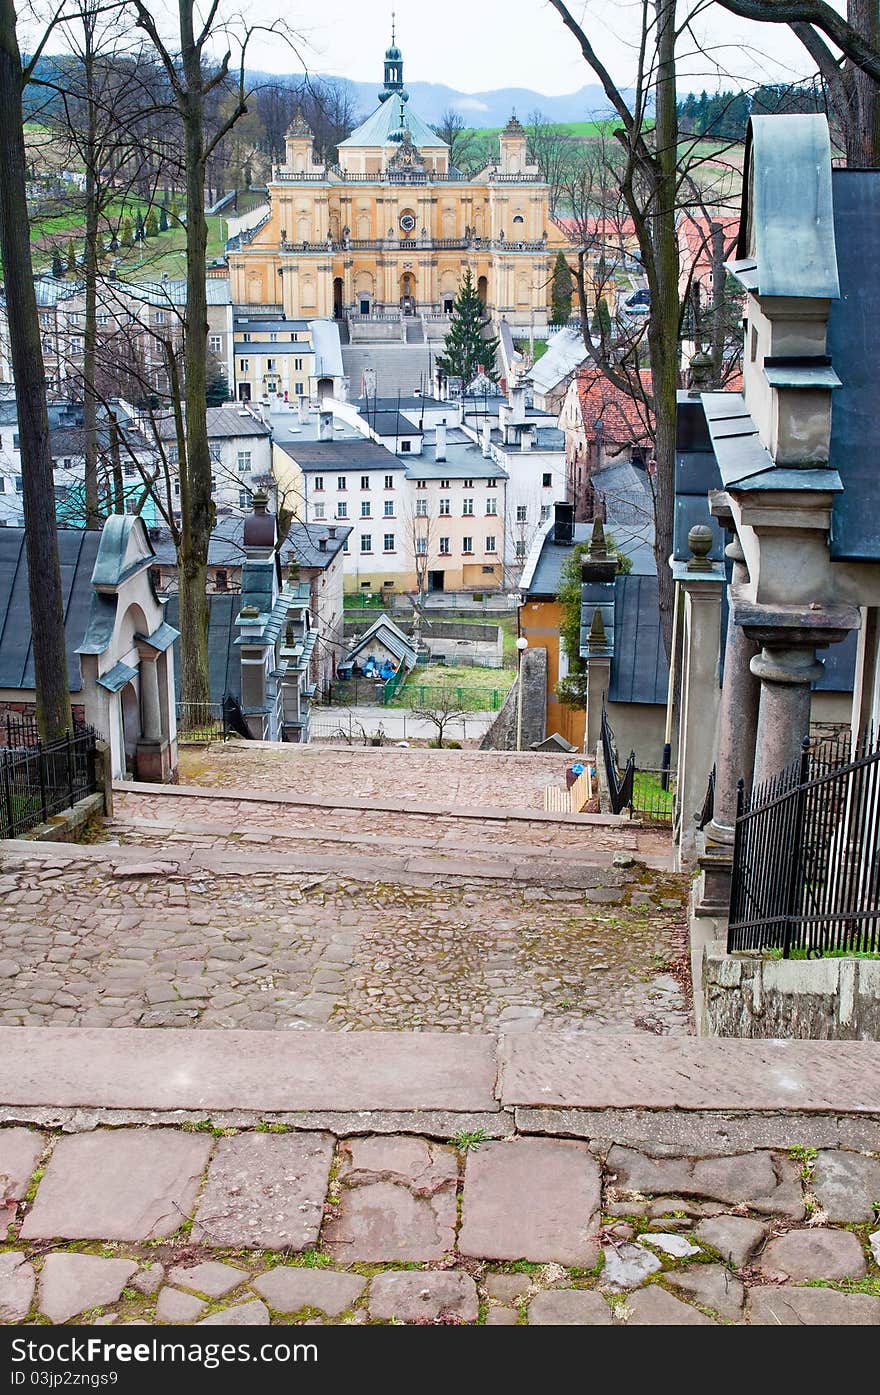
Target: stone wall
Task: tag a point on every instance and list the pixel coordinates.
(808, 999)
(501, 735)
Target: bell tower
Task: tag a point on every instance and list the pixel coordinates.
(393, 66)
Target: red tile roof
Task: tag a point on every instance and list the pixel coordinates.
(624, 419)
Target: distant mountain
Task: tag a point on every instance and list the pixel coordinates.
(488, 109)
(432, 99)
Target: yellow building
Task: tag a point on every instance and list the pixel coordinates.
(394, 225)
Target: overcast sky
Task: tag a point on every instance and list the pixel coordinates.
(516, 43)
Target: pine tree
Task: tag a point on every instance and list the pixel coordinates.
(602, 319)
(217, 388)
(127, 232)
(163, 219)
(151, 225)
(465, 350)
(562, 291)
(71, 256)
(57, 264)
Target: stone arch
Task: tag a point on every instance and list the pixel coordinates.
(449, 221)
(364, 284)
(303, 227)
(130, 713)
(363, 227)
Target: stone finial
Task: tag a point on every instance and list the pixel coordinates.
(299, 126)
(260, 501)
(700, 543)
(250, 612)
(598, 546)
(514, 126)
(700, 372)
(597, 638)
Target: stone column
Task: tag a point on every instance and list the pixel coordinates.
(787, 666)
(738, 716)
(699, 701)
(787, 676)
(151, 713)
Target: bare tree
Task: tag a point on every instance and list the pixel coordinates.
(453, 129)
(420, 531)
(442, 712)
(41, 539)
(193, 82)
(554, 151)
(856, 36)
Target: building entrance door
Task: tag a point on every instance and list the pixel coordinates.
(244, 392)
(436, 580)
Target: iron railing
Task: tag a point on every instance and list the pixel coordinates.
(38, 782)
(806, 870)
(19, 732)
(652, 799)
(620, 787)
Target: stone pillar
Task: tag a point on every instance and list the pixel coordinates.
(787, 676)
(738, 715)
(787, 666)
(151, 716)
(154, 759)
(700, 695)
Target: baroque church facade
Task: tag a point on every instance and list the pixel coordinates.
(393, 226)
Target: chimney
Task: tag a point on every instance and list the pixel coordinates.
(331, 531)
(440, 441)
(325, 429)
(487, 439)
(525, 438)
(303, 406)
(322, 544)
(563, 524)
(517, 405)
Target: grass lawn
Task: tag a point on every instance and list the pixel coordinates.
(473, 689)
(648, 796)
(146, 261)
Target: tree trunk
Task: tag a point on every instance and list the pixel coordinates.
(44, 573)
(197, 509)
(863, 127)
(663, 327)
(90, 276)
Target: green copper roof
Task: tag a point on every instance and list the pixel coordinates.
(386, 119)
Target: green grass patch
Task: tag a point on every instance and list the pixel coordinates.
(473, 689)
(649, 796)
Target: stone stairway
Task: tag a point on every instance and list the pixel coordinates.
(400, 368)
(423, 1057)
(286, 902)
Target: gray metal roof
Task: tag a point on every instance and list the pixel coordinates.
(743, 460)
(639, 671)
(385, 632)
(354, 455)
(303, 544)
(224, 662)
(78, 551)
(548, 572)
(786, 239)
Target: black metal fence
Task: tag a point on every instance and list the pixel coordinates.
(652, 799)
(19, 732)
(620, 787)
(806, 861)
(38, 781)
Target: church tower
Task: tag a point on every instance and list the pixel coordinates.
(393, 68)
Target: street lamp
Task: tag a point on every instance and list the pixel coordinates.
(522, 645)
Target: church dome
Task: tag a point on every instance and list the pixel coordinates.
(393, 54)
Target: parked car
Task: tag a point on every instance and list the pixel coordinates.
(640, 298)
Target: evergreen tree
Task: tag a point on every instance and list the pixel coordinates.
(57, 264)
(465, 350)
(127, 232)
(562, 289)
(217, 389)
(151, 225)
(163, 219)
(139, 228)
(71, 257)
(602, 319)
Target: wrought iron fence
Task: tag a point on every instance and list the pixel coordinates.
(201, 721)
(19, 732)
(620, 787)
(806, 860)
(37, 781)
(652, 799)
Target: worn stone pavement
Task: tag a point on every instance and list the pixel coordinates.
(104, 937)
(467, 778)
(213, 1223)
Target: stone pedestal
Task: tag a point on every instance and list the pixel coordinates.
(155, 761)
